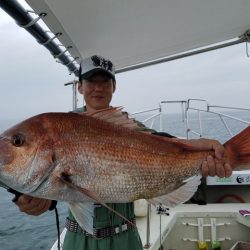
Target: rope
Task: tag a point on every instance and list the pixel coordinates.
(58, 229)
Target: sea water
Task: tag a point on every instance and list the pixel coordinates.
(19, 231)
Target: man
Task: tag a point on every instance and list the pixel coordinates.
(97, 84)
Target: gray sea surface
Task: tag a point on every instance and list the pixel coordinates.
(19, 231)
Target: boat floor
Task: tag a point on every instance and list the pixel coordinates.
(180, 229)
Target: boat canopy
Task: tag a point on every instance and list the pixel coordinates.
(135, 32)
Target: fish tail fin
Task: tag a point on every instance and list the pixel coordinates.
(238, 150)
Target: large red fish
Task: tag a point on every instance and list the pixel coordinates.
(82, 158)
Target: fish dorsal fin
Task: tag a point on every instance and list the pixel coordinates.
(84, 214)
(180, 195)
(115, 116)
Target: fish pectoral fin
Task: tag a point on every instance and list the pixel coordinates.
(180, 195)
(65, 177)
(95, 197)
(84, 214)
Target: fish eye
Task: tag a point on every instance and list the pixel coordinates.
(18, 140)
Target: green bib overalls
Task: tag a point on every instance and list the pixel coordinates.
(127, 240)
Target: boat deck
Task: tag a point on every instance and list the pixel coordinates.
(181, 229)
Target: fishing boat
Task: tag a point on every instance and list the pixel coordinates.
(137, 34)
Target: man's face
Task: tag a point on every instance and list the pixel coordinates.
(97, 91)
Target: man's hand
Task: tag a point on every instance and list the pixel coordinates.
(212, 166)
(33, 206)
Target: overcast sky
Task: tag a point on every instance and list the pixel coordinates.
(32, 82)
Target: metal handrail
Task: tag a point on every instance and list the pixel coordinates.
(22, 17)
(145, 111)
(219, 114)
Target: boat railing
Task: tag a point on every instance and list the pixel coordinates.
(212, 110)
(198, 106)
(187, 108)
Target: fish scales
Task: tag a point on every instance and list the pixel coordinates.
(123, 160)
(80, 158)
(65, 154)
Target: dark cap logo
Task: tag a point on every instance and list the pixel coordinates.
(102, 62)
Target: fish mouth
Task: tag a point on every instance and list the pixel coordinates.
(35, 175)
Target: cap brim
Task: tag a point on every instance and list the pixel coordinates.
(92, 72)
